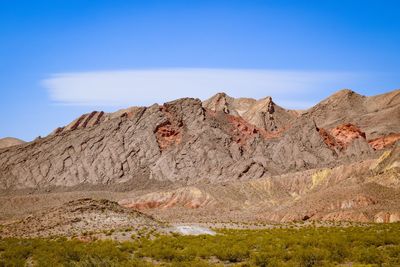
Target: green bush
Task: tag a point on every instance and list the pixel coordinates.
(372, 245)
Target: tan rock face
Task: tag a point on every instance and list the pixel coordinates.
(86, 120)
(349, 192)
(96, 117)
(190, 197)
(263, 113)
(10, 141)
(267, 115)
(229, 105)
(387, 217)
(388, 162)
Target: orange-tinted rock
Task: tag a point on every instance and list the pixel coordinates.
(329, 140)
(168, 135)
(345, 134)
(384, 141)
(170, 132)
(341, 136)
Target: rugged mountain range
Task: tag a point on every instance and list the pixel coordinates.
(221, 153)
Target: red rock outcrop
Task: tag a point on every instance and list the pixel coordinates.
(329, 140)
(346, 133)
(169, 132)
(341, 136)
(167, 135)
(384, 141)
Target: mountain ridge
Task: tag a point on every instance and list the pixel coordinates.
(166, 143)
(215, 154)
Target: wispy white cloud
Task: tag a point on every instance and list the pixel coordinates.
(144, 87)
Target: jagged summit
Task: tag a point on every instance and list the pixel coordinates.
(228, 104)
(263, 113)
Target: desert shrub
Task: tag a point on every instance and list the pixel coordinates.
(371, 245)
(369, 255)
(15, 252)
(127, 247)
(263, 259)
(234, 253)
(309, 257)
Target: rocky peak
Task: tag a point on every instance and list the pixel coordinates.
(344, 93)
(262, 113)
(265, 105)
(265, 114)
(221, 102)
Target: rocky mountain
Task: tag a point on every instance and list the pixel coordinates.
(187, 141)
(205, 155)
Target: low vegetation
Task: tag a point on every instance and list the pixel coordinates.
(373, 245)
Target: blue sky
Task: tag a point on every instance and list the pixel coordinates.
(62, 58)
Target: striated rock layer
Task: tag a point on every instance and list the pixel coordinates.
(189, 142)
(367, 191)
(242, 157)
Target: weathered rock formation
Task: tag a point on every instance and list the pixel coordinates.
(222, 159)
(376, 116)
(263, 113)
(366, 191)
(186, 142)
